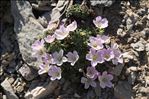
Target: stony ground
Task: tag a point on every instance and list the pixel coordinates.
(128, 26)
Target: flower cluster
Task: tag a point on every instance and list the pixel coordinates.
(100, 51)
(60, 33)
(99, 54)
(51, 63)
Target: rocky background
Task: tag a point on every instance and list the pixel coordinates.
(22, 21)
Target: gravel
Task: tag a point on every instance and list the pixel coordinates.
(23, 22)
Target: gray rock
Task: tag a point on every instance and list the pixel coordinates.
(128, 56)
(4, 97)
(12, 67)
(44, 19)
(129, 24)
(59, 10)
(40, 91)
(66, 85)
(142, 11)
(28, 72)
(147, 47)
(132, 77)
(120, 32)
(148, 16)
(19, 89)
(26, 27)
(42, 5)
(77, 95)
(8, 90)
(11, 80)
(117, 70)
(144, 90)
(102, 2)
(1, 71)
(123, 90)
(146, 30)
(138, 46)
(6, 42)
(98, 10)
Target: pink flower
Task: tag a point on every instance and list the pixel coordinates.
(72, 26)
(54, 72)
(58, 58)
(61, 33)
(100, 23)
(107, 54)
(117, 54)
(92, 72)
(47, 58)
(43, 68)
(105, 80)
(88, 82)
(95, 57)
(38, 45)
(103, 38)
(38, 49)
(49, 38)
(95, 43)
(72, 57)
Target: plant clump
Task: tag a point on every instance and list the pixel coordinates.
(72, 51)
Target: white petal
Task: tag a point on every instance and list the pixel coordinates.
(102, 84)
(86, 86)
(53, 78)
(41, 71)
(83, 80)
(72, 26)
(115, 61)
(93, 84)
(93, 63)
(49, 38)
(61, 34)
(64, 59)
(109, 84)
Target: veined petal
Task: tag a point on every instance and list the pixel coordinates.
(58, 58)
(93, 84)
(61, 33)
(72, 57)
(49, 38)
(83, 80)
(72, 26)
(102, 85)
(100, 23)
(86, 86)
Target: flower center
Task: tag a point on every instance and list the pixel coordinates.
(41, 51)
(60, 58)
(104, 80)
(56, 74)
(95, 57)
(95, 45)
(106, 56)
